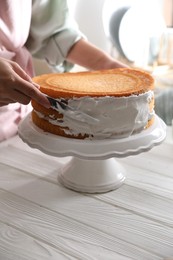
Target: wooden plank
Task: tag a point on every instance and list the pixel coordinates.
(150, 181)
(133, 222)
(127, 202)
(60, 232)
(141, 232)
(33, 163)
(48, 167)
(141, 202)
(165, 150)
(152, 162)
(15, 245)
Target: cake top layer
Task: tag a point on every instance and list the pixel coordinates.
(114, 82)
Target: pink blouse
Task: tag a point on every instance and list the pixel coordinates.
(15, 17)
(48, 32)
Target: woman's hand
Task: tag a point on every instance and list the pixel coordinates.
(17, 86)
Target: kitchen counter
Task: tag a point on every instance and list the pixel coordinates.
(42, 220)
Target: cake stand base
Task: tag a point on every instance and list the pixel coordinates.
(92, 176)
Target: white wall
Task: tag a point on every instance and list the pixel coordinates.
(88, 14)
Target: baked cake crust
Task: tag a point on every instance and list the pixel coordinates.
(114, 82)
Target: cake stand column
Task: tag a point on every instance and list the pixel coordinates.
(92, 176)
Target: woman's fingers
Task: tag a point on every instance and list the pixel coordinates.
(17, 86)
(29, 90)
(23, 92)
(18, 96)
(19, 71)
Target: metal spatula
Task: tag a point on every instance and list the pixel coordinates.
(62, 105)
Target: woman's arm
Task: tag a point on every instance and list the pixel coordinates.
(89, 56)
(55, 37)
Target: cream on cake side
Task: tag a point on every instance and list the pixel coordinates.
(116, 117)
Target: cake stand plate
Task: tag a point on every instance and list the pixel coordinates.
(93, 168)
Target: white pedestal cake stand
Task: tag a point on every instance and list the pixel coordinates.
(93, 168)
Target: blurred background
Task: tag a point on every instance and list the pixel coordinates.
(138, 32)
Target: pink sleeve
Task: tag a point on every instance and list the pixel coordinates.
(10, 117)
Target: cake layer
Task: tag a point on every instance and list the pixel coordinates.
(115, 82)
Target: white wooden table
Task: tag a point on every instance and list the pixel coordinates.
(41, 220)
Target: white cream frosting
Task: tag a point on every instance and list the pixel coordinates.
(116, 117)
